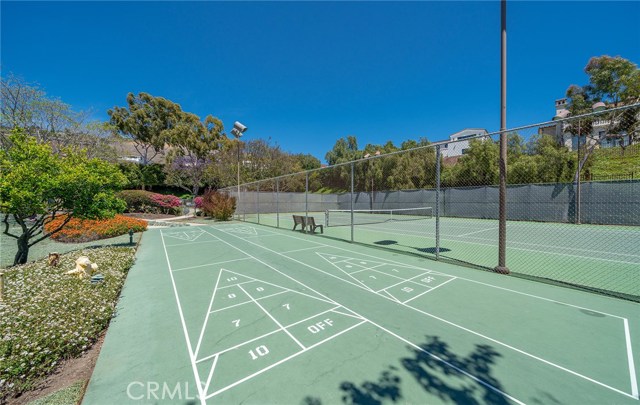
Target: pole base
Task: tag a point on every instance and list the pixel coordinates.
(501, 269)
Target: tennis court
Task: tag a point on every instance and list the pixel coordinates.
(247, 313)
(597, 256)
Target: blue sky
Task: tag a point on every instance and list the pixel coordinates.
(307, 73)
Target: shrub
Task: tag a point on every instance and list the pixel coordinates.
(218, 204)
(137, 200)
(85, 230)
(169, 204)
(50, 316)
(152, 203)
(198, 202)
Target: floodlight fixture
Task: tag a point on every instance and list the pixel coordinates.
(238, 129)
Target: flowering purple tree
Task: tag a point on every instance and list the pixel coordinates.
(187, 172)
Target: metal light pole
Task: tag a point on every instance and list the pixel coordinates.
(237, 131)
(502, 221)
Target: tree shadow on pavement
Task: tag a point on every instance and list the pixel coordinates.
(441, 372)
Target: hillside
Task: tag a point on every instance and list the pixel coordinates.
(616, 162)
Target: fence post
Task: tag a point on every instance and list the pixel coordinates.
(258, 201)
(351, 201)
(578, 188)
(437, 202)
(277, 203)
(306, 195)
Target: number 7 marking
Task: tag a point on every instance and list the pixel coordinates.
(236, 322)
(286, 306)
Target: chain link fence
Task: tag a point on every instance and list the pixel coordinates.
(573, 210)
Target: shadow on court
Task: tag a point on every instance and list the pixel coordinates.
(431, 250)
(434, 376)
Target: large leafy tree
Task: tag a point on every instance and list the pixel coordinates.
(38, 185)
(478, 167)
(614, 81)
(26, 105)
(193, 143)
(146, 121)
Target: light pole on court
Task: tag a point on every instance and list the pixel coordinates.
(237, 131)
(502, 213)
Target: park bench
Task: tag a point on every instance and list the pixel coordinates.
(311, 222)
(299, 220)
(306, 221)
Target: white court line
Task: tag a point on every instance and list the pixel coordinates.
(184, 327)
(206, 318)
(281, 361)
(300, 250)
(213, 367)
(432, 288)
(236, 284)
(366, 320)
(369, 268)
(257, 236)
(267, 334)
(453, 366)
(423, 234)
(632, 367)
(192, 243)
(286, 289)
(520, 351)
(389, 296)
(482, 230)
(359, 283)
(248, 302)
(345, 314)
(273, 319)
(373, 323)
(469, 330)
(391, 261)
(210, 264)
(409, 279)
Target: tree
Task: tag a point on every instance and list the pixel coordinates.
(27, 106)
(479, 166)
(415, 169)
(192, 143)
(37, 186)
(18, 100)
(613, 81)
(308, 161)
(147, 121)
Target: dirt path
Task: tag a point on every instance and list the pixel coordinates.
(70, 371)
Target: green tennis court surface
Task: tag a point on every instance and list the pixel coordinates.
(244, 313)
(602, 257)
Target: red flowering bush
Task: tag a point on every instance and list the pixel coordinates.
(198, 202)
(85, 230)
(168, 203)
(152, 203)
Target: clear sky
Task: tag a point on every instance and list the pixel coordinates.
(307, 73)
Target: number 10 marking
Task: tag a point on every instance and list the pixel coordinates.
(260, 350)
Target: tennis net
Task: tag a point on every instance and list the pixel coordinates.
(361, 217)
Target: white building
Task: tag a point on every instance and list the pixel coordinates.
(598, 135)
(457, 146)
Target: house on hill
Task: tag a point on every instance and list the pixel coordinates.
(459, 143)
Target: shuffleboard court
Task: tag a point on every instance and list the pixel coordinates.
(244, 313)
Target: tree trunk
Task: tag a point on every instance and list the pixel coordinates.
(23, 251)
